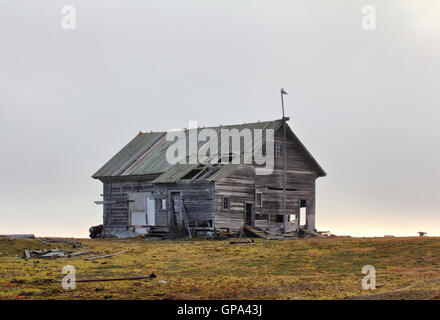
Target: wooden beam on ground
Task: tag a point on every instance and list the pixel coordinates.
(76, 254)
(43, 242)
(105, 255)
(151, 276)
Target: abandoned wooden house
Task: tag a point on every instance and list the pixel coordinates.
(143, 192)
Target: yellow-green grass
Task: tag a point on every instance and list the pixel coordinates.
(201, 269)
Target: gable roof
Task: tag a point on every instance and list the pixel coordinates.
(145, 155)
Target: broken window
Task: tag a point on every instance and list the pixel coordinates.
(164, 204)
(259, 199)
(226, 202)
(291, 217)
(209, 173)
(192, 173)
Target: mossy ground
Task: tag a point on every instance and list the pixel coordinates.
(289, 269)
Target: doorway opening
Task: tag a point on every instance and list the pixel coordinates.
(175, 209)
(303, 213)
(249, 210)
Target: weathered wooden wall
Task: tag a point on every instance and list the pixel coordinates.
(300, 184)
(115, 215)
(243, 184)
(239, 185)
(197, 198)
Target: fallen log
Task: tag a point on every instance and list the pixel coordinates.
(105, 255)
(151, 276)
(76, 254)
(43, 242)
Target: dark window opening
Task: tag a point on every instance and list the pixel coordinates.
(226, 202)
(276, 218)
(261, 217)
(259, 199)
(278, 150)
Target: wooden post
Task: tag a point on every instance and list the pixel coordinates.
(283, 92)
(284, 175)
(298, 219)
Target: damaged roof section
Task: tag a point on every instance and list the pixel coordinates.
(193, 172)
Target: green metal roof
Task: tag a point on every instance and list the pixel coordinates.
(146, 155)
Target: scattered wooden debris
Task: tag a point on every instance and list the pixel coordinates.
(151, 276)
(256, 232)
(309, 233)
(54, 253)
(247, 241)
(75, 244)
(105, 255)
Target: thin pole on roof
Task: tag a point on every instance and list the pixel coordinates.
(283, 92)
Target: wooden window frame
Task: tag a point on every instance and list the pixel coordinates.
(259, 204)
(278, 150)
(229, 202)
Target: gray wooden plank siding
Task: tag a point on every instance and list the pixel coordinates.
(115, 215)
(243, 184)
(197, 197)
(239, 185)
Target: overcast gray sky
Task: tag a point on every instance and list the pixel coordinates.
(364, 102)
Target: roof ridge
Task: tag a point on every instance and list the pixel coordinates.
(208, 127)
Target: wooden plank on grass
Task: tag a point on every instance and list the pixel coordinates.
(105, 255)
(151, 276)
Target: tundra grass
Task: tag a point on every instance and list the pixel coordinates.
(406, 268)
